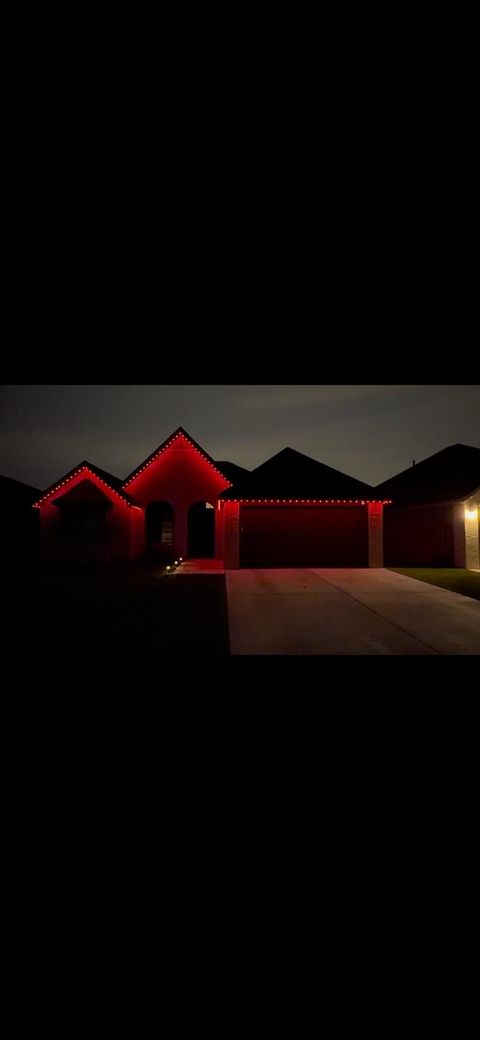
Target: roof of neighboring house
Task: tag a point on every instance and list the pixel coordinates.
(452, 474)
(180, 432)
(114, 483)
(292, 475)
(13, 491)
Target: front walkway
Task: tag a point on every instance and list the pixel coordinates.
(201, 567)
(347, 612)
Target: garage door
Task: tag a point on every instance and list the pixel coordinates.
(303, 537)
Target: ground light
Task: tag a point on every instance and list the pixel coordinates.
(172, 567)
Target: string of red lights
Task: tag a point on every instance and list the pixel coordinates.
(165, 447)
(246, 501)
(313, 501)
(96, 480)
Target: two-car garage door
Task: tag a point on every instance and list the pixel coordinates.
(310, 536)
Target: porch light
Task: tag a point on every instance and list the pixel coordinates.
(471, 514)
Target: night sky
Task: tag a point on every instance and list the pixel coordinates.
(369, 432)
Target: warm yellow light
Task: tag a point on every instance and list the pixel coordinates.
(471, 514)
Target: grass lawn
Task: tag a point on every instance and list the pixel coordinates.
(124, 612)
(467, 583)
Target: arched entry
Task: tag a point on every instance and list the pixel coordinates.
(201, 531)
(160, 529)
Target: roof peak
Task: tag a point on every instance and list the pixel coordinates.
(290, 474)
(113, 484)
(451, 474)
(179, 432)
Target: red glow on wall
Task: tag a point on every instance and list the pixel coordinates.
(165, 447)
(181, 474)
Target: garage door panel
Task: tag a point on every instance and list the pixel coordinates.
(303, 537)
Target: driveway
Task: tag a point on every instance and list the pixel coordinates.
(375, 612)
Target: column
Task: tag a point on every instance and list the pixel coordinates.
(219, 530)
(232, 536)
(375, 534)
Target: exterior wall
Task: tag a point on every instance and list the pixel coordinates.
(123, 541)
(472, 533)
(220, 531)
(459, 541)
(423, 536)
(182, 477)
(137, 534)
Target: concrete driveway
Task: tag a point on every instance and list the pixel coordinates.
(376, 612)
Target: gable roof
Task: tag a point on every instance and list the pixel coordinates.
(452, 474)
(180, 432)
(112, 483)
(292, 475)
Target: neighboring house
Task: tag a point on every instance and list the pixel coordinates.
(19, 526)
(434, 519)
(289, 512)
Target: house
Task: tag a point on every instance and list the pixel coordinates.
(179, 502)
(19, 527)
(434, 518)
(291, 511)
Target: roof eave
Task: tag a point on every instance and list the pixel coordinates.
(88, 469)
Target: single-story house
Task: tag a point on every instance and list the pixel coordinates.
(291, 511)
(434, 518)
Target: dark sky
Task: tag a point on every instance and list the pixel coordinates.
(370, 432)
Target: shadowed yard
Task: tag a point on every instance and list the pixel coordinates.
(466, 583)
(125, 612)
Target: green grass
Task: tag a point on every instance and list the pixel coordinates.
(467, 583)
